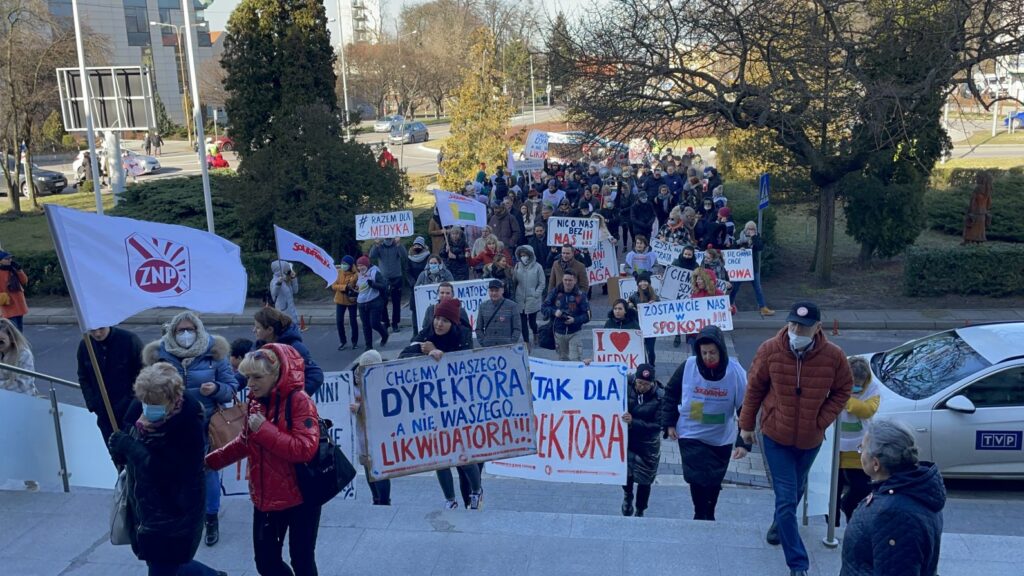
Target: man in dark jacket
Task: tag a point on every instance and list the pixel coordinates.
(803, 382)
(497, 319)
(391, 255)
(568, 263)
(119, 357)
(539, 242)
(642, 216)
(567, 305)
(645, 396)
(624, 201)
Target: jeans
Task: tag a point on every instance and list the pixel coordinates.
(212, 492)
(569, 346)
(649, 350)
(191, 568)
(395, 293)
(624, 235)
(643, 493)
(370, 316)
(757, 290)
(789, 467)
(380, 491)
(301, 524)
(444, 478)
(339, 320)
(529, 322)
(18, 322)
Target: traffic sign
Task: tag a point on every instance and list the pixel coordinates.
(764, 186)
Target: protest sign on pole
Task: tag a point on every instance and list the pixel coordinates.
(627, 286)
(535, 150)
(458, 210)
(666, 252)
(672, 317)
(295, 248)
(604, 265)
(332, 403)
(624, 347)
(578, 416)
(470, 406)
(678, 284)
(578, 232)
(638, 150)
(739, 264)
(117, 267)
(469, 292)
(384, 225)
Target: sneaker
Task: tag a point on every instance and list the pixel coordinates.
(384, 339)
(450, 504)
(772, 537)
(212, 530)
(395, 329)
(766, 311)
(474, 501)
(343, 346)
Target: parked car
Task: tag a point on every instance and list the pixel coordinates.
(146, 164)
(225, 144)
(1017, 119)
(46, 181)
(962, 392)
(388, 123)
(149, 164)
(409, 133)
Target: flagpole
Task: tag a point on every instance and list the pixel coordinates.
(99, 381)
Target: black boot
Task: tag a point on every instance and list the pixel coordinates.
(627, 505)
(772, 537)
(212, 529)
(639, 513)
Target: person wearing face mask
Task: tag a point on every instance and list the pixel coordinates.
(644, 398)
(854, 484)
(162, 445)
(202, 360)
(281, 430)
(750, 240)
(642, 216)
(345, 294)
(418, 256)
(800, 383)
(283, 287)
(391, 256)
(702, 401)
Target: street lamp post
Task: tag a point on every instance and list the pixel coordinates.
(533, 92)
(344, 72)
(178, 30)
(87, 108)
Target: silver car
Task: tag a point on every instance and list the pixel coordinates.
(962, 391)
(388, 123)
(409, 133)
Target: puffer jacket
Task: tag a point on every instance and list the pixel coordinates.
(346, 281)
(211, 366)
(798, 397)
(314, 373)
(530, 281)
(897, 529)
(628, 322)
(646, 408)
(274, 449)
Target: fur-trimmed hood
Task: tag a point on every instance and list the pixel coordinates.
(219, 349)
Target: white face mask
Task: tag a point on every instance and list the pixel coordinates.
(185, 338)
(525, 260)
(797, 342)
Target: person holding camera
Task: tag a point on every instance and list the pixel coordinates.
(12, 290)
(283, 288)
(345, 294)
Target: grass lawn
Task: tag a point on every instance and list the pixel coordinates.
(30, 233)
(1001, 137)
(971, 162)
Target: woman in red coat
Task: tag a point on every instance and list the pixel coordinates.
(276, 376)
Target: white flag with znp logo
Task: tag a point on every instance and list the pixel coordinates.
(118, 267)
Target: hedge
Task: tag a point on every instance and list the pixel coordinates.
(986, 270)
(946, 208)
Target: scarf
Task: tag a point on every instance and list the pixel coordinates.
(146, 427)
(186, 355)
(13, 283)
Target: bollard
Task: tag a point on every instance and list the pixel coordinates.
(302, 323)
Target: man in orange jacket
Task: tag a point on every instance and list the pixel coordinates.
(800, 382)
(12, 289)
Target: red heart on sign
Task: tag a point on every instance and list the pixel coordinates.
(620, 340)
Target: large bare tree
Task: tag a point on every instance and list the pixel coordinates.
(835, 81)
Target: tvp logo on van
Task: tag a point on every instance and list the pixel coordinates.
(158, 266)
(998, 440)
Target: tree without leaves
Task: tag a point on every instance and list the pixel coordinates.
(835, 81)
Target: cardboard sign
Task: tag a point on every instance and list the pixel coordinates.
(580, 433)
(667, 252)
(639, 149)
(470, 406)
(385, 225)
(332, 403)
(624, 347)
(671, 317)
(535, 150)
(604, 266)
(739, 264)
(470, 292)
(627, 286)
(678, 284)
(578, 232)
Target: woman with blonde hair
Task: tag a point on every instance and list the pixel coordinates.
(15, 351)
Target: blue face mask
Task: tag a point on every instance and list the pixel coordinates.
(434, 267)
(154, 412)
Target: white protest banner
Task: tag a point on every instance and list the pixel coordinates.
(739, 264)
(458, 210)
(671, 317)
(332, 403)
(604, 264)
(819, 478)
(470, 406)
(638, 150)
(384, 225)
(578, 416)
(469, 292)
(118, 267)
(578, 232)
(624, 347)
(535, 151)
(678, 284)
(667, 252)
(627, 286)
(295, 248)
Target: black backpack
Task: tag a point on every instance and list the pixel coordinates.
(327, 474)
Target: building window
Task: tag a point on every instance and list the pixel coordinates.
(61, 9)
(136, 20)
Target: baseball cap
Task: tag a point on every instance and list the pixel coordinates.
(805, 312)
(645, 372)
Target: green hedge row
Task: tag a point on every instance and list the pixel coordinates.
(946, 207)
(987, 270)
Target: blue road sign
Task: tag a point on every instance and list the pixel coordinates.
(764, 185)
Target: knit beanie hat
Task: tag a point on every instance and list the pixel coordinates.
(363, 261)
(346, 259)
(448, 309)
